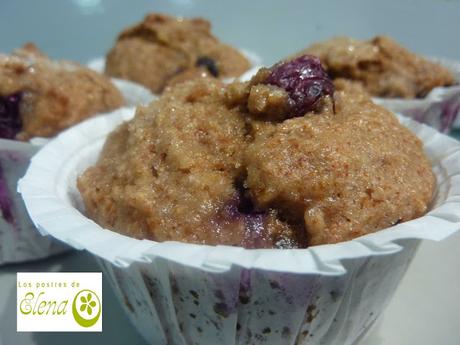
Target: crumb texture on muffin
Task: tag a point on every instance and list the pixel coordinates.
(162, 47)
(382, 66)
(204, 165)
(52, 95)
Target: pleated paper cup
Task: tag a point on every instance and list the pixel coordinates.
(439, 108)
(19, 240)
(178, 293)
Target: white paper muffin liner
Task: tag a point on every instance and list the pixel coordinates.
(439, 109)
(133, 94)
(178, 293)
(19, 240)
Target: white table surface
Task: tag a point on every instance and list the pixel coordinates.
(424, 311)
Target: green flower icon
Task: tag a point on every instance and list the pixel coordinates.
(87, 304)
(86, 308)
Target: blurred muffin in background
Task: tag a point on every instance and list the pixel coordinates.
(162, 48)
(40, 97)
(382, 66)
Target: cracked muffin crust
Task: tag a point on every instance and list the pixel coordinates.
(163, 47)
(204, 165)
(40, 97)
(382, 66)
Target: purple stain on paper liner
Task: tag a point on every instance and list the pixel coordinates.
(10, 121)
(450, 111)
(219, 294)
(245, 280)
(245, 287)
(305, 81)
(274, 284)
(6, 203)
(173, 283)
(440, 115)
(225, 306)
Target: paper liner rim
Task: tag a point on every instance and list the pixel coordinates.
(83, 233)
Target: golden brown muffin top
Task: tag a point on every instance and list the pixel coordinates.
(382, 66)
(282, 161)
(162, 47)
(51, 95)
(177, 32)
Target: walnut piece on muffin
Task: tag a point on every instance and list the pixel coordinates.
(382, 66)
(40, 97)
(282, 161)
(163, 47)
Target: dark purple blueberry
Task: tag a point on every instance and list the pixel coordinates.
(209, 64)
(10, 121)
(305, 81)
(6, 204)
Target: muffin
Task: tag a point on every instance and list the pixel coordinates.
(285, 160)
(40, 97)
(382, 66)
(162, 48)
(177, 292)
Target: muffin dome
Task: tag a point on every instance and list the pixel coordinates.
(40, 97)
(239, 165)
(382, 66)
(163, 49)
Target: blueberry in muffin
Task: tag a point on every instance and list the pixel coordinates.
(163, 47)
(10, 121)
(286, 160)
